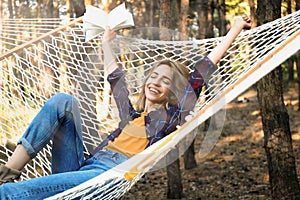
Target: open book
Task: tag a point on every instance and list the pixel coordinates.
(95, 20)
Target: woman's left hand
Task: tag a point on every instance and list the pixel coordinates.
(243, 22)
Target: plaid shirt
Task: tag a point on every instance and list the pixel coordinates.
(161, 122)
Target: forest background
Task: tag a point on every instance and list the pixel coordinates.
(195, 18)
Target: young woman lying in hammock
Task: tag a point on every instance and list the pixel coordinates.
(160, 109)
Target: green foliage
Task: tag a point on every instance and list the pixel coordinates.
(237, 7)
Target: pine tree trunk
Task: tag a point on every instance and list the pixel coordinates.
(189, 157)
(202, 9)
(298, 79)
(174, 176)
(78, 7)
(298, 62)
(183, 22)
(173, 169)
(275, 119)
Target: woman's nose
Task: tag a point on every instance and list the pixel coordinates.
(156, 81)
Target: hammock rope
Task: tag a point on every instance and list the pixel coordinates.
(32, 70)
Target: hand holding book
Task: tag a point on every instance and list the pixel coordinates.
(96, 20)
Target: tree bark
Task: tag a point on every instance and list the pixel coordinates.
(252, 11)
(174, 176)
(221, 17)
(173, 169)
(290, 61)
(183, 22)
(275, 120)
(298, 78)
(78, 7)
(164, 19)
(298, 62)
(202, 20)
(189, 155)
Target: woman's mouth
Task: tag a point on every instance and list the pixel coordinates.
(153, 90)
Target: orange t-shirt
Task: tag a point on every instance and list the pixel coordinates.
(132, 139)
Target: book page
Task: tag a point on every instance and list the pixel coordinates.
(95, 20)
(95, 16)
(117, 16)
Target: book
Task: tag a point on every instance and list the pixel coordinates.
(95, 20)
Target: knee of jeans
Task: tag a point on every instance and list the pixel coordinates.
(60, 98)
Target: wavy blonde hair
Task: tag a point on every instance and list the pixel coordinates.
(179, 81)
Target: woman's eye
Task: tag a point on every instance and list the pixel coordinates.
(167, 82)
(153, 76)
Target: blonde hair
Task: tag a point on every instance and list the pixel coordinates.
(179, 81)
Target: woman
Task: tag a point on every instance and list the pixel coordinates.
(160, 109)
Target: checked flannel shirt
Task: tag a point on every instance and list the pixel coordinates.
(161, 122)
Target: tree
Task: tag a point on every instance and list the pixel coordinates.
(290, 61)
(173, 169)
(298, 62)
(252, 10)
(189, 155)
(221, 9)
(183, 22)
(205, 19)
(275, 121)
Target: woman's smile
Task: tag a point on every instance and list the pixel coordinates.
(158, 85)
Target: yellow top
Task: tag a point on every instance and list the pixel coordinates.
(132, 139)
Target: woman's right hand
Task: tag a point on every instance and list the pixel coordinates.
(108, 34)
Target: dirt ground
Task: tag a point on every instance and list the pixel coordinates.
(236, 168)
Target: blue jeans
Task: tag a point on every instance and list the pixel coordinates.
(59, 120)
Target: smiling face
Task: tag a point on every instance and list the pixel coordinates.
(163, 85)
(157, 86)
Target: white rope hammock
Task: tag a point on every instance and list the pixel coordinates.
(57, 60)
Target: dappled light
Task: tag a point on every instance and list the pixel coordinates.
(236, 167)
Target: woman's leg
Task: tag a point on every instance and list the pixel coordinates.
(45, 186)
(18, 159)
(59, 119)
(42, 187)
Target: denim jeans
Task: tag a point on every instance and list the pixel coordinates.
(59, 120)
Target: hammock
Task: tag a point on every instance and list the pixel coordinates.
(50, 56)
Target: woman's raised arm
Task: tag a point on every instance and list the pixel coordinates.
(240, 23)
(110, 63)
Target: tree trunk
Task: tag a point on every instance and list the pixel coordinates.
(221, 17)
(10, 9)
(210, 19)
(173, 169)
(205, 19)
(56, 8)
(164, 19)
(290, 61)
(298, 62)
(252, 11)
(79, 7)
(183, 22)
(202, 20)
(68, 8)
(298, 78)
(189, 155)
(49, 9)
(174, 176)
(275, 120)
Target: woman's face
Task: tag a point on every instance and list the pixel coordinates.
(158, 85)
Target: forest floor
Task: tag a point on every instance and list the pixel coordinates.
(236, 168)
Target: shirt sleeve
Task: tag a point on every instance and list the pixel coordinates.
(121, 96)
(203, 70)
